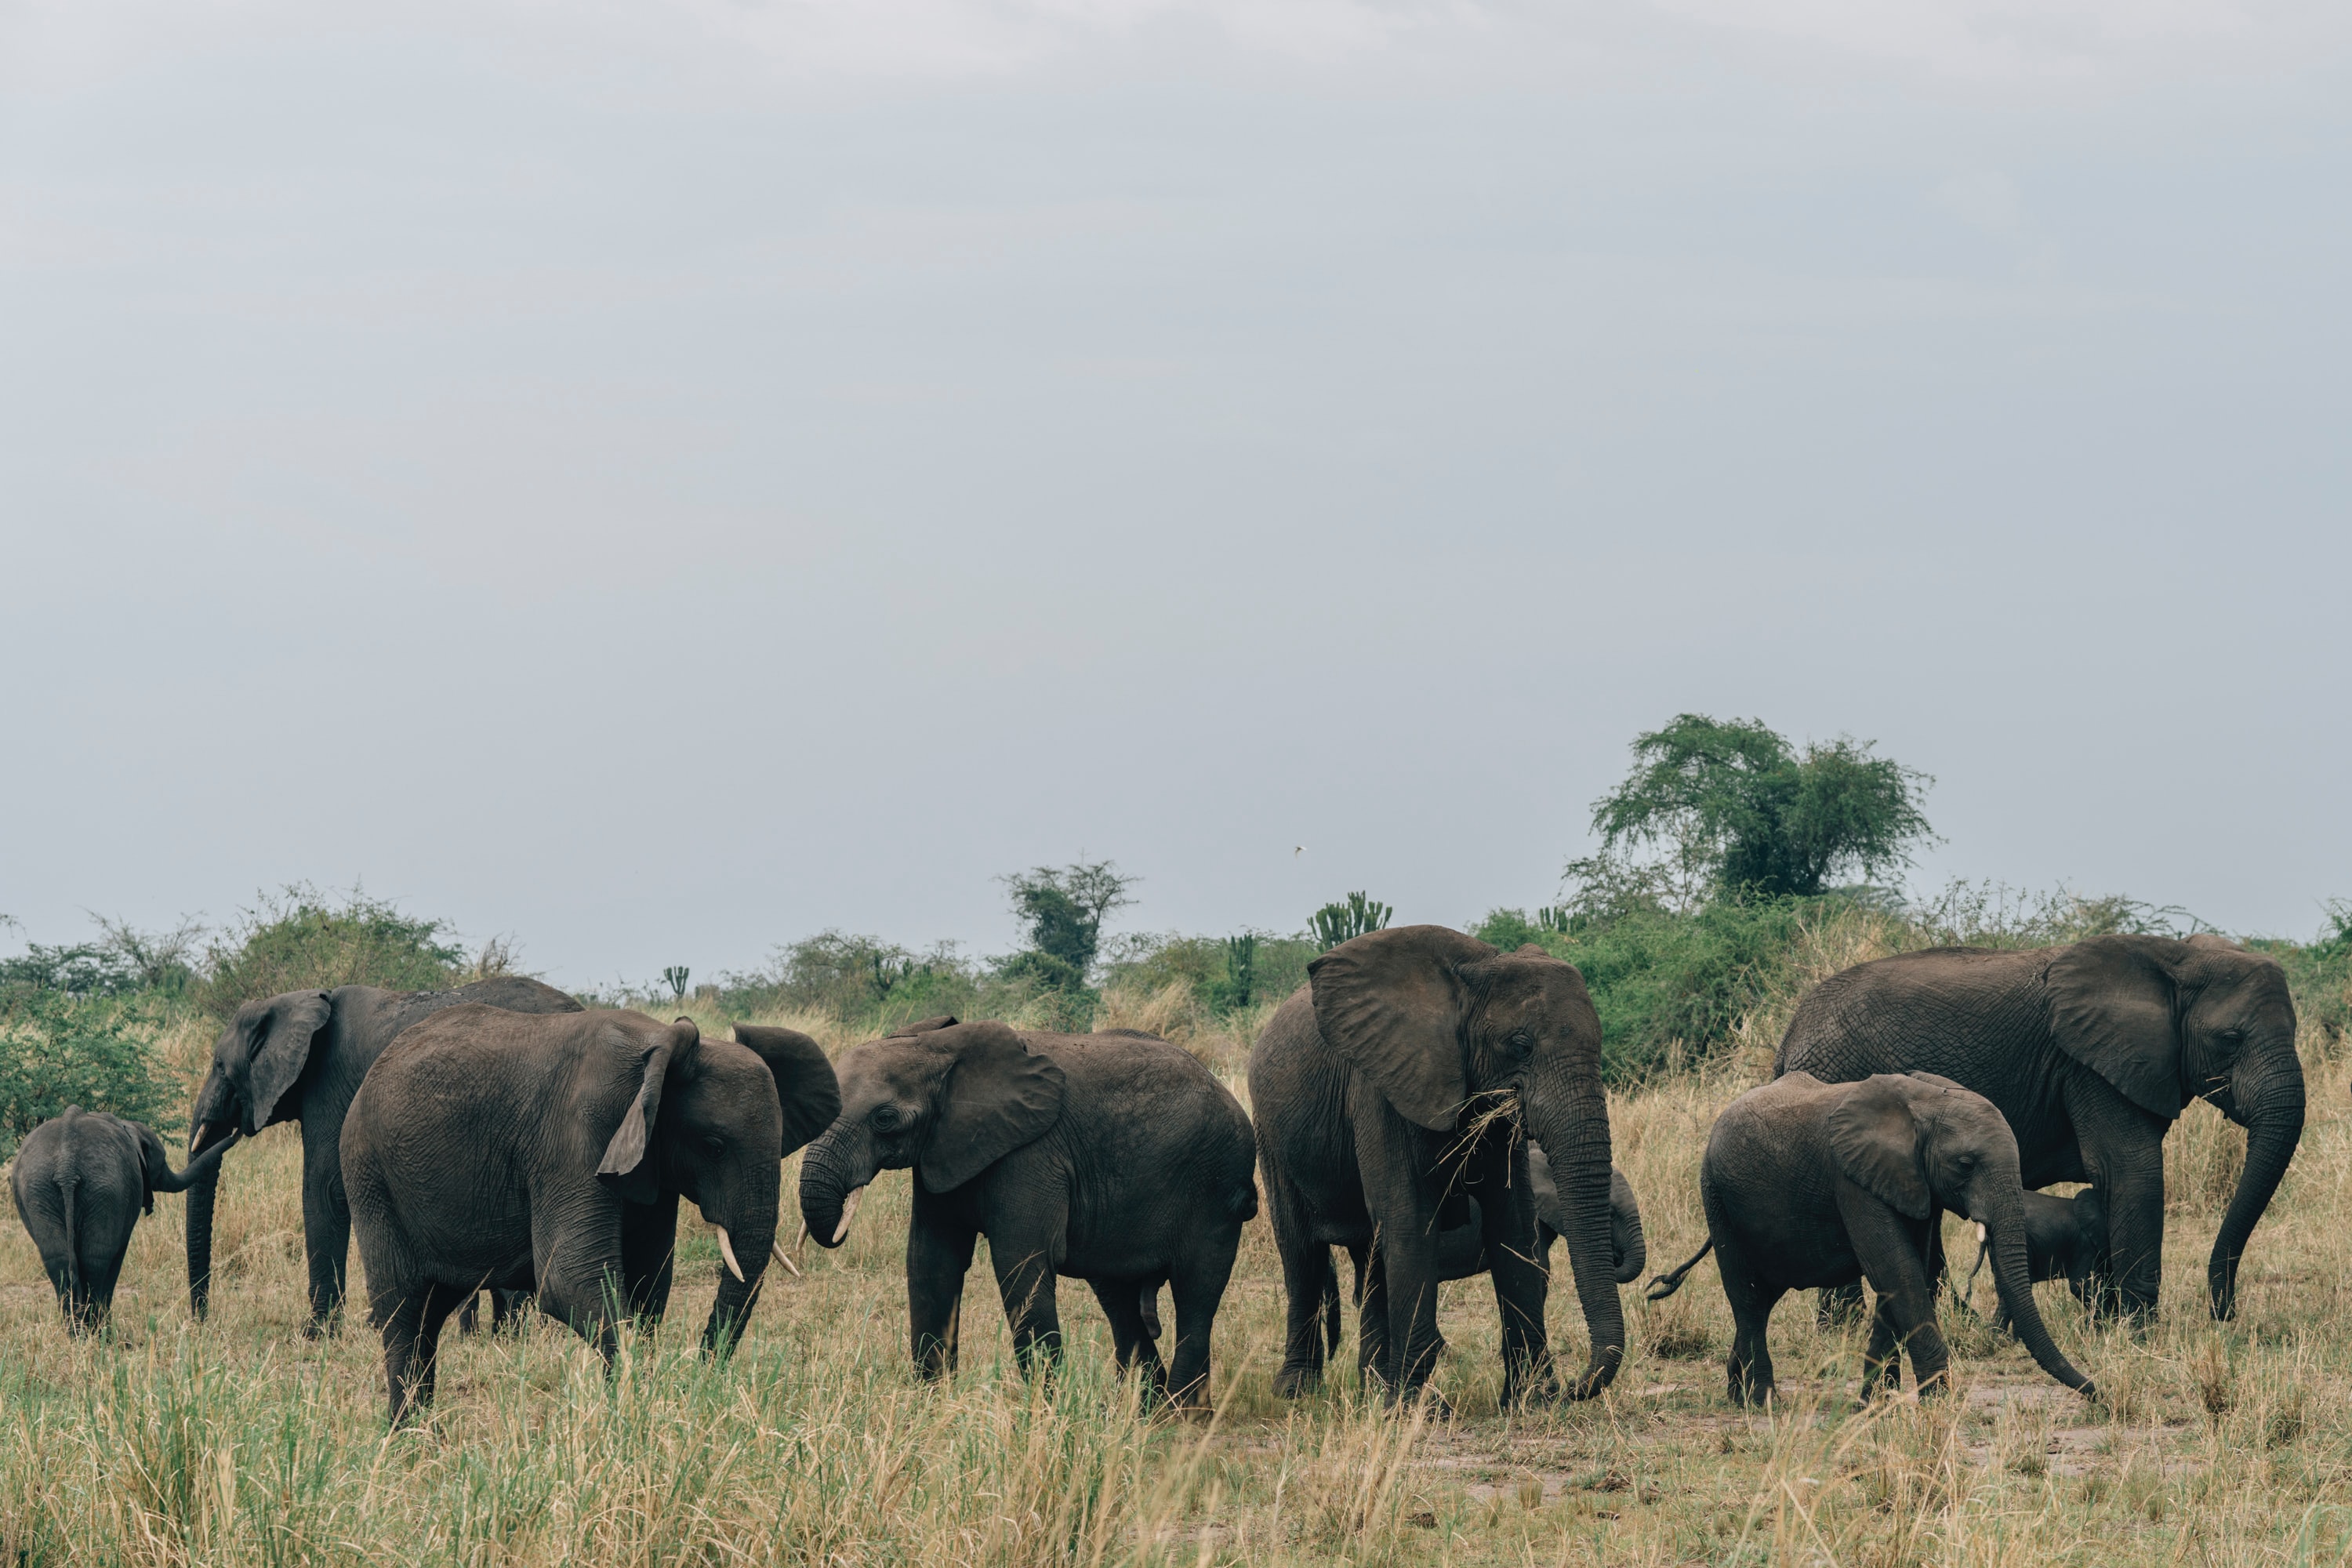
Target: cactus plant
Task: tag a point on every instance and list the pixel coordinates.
(674, 978)
(1336, 923)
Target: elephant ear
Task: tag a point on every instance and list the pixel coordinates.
(2111, 1008)
(999, 1096)
(805, 1086)
(1544, 1190)
(1393, 1003)
(1876, 1141)
(625, 1166)
(944, 1021)
(277, 1039)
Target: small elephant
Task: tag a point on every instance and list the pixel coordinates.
(81, 1180)
(2065, 1238)
(300, 1057)
(1461, 1251)
(548, 1154)
(1115, 1158)
(1808, 1184)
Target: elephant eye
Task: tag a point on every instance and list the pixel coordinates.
(712, 1142)
(885, 1118)
(1519, 1042)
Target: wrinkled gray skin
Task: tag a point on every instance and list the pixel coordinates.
(549, 1153)
(81, 1180)
(1808, 1184)
(1115, 1158)
(2090, 1051)
(1386, 1091)
(2065, 1238)
(300, 1057)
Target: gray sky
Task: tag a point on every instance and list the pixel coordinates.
(662, 480)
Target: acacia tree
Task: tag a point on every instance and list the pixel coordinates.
(1063, 909)
(1736, 809)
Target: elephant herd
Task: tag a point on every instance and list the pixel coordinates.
(1428, 1103)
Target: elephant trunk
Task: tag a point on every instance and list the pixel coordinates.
(1573, 1128)
(214, 1121)
(2002, 1214)
(834, 1171)
(1625, 1229)
(2273, 1127)
(750, 1244)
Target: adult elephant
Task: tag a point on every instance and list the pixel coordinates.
(1113, 1157)
(2090, 1050)
(489, 1148)
(299, 1057)
(1400, 1082)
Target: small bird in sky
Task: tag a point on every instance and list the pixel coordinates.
(1297, 850)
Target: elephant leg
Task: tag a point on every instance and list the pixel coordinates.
(938, 1256)
(1749, 1370)
(648, 1251)
(1521, 1283)
(1882, 1360)
(2136, 1240)
(1306, 1269)
(411, 1344)
(326, 1233)
(468, 1315)
(1122, 1303)
(592, 1296)
(1197, 1289)
(1893, 1260)
(1024, 1279)
(506, 1311)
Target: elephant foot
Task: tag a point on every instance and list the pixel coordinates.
(1292, 1382)
(1431, 1403)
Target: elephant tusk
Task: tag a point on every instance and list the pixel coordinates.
(784, 1257)
(848, 1207)
(801, 1240)
(196, 1139)
(727, 1247)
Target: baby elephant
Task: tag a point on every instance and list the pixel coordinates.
(1809, 1184)
(1114, 1158)
(2065, 1238)
(81, 1182)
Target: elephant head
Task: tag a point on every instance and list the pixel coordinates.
(1915, 1141)
(948, 1098)
(1434, 1019)
(2163, 1020)
(257, 1058)
(709, 1121)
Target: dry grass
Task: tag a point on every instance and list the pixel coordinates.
(240, 1442)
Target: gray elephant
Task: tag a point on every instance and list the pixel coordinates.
(81, 1180)
(548, 1154)
(1395, 1088)
(2065, 1238)
(2090, 1051)
(300, 1057)
(1115, 1158)
(1808, 1184)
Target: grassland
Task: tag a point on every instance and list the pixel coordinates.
(241, 1442)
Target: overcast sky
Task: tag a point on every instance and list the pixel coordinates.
(662, 480)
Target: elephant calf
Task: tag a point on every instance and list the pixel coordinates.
(2065, 1238)
(1114, 1158)
(548, 1152)
(1808, 1184)
(81, 1180)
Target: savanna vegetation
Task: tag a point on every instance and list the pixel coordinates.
(1725, 885)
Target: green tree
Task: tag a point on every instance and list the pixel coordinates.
(1336, 923)
(302, 939)
(1736, 809)
(1063, 909)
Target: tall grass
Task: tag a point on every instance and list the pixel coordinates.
(240, 1442)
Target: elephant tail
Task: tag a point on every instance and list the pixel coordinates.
(66, 1188)
(1665, 1285)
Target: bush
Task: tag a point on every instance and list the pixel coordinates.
(1148, 963)
(853, 978)
(58, 1049)
(300, 941)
